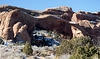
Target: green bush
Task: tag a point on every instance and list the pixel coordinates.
(84, 52)
(1, 41)
(33, 14)
(65, 47)
(79, 48)
(49, 34)
(27, 49)
(56, 37)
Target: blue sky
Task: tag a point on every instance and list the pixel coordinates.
(76, 5)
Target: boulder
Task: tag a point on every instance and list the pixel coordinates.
(22, 34)
(16, 28)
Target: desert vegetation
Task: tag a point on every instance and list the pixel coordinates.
(79, 48)
(1, 41)
(33, 14)
(27, 49)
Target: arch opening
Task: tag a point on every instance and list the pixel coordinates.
(41, 37)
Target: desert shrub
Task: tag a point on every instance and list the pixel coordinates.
(44, 53)
(84, 52)
(79, 48)
(64, 48)
(33, 41)
(33, 14)
(49, 34)
(56, 35)
(1, 41)
(27, 49)
(1, 37)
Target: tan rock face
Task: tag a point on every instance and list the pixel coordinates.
(8, 33)
(63, 12)
(53, 23)
(13, 23)
(95, 13)
(62, 9)
(82, 16)
(10, 8)
(16, 28)
(79, 31)
(87, 25)
(2, 21)
(86, 20)
(76, 32)
(67, 16)
(22, 34)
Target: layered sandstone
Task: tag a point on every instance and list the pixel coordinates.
(50, 22)
(17, 24)
(62, 12)
(88, 24)
(9, 27)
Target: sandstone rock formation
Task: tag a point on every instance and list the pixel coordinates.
(62, 12)
(20, 32)
(79, 31)
(10, 8)
(9, 19)
(50, 22)
(17, 24)
(88, 24)
(16, 27)
(23, 35)
(58, 10)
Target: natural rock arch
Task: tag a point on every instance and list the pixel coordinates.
(18, 24)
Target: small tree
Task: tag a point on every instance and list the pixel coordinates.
(27, 49)
(49, 34)
(56, 35)
(33, 14)
(1, 41)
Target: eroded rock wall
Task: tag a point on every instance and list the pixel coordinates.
(88, 24)
(15, 22)
(18, 24)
